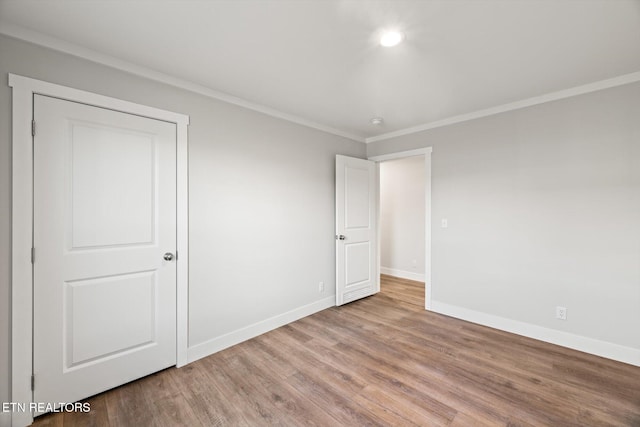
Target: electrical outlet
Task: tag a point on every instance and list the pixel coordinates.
(321, 287)
(561, 313)
(444, 223)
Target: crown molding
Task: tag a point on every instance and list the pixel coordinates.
(22, 33)
(25, 34)
(536, 100)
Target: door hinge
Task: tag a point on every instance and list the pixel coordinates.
(33, 382)
(33, 128)
(33, 255)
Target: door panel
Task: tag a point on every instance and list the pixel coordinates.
(358, 258)
(104, 215)
(96, 305)
(120, 163)
(355, 229)
(357, 209)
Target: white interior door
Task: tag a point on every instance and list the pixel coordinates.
(356, 223)
(104, 218)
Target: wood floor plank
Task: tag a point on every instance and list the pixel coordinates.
(204, 394)
(95, 417)
(382, 360)
(390, 410)
(300, 409)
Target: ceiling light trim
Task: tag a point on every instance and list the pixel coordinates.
(37, 38)
(528, 102)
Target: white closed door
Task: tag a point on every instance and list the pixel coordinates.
(356, 223)
(104, 239)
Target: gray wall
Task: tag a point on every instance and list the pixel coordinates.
(402, 217)
(261, 197)
(543, 206)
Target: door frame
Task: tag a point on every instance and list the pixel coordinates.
(426, 152)
(23, 91)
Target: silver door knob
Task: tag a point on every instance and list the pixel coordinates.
(341, 237)
(168, 256)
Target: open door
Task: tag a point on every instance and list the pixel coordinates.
(356, 222)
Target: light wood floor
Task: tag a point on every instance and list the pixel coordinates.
(382, 360)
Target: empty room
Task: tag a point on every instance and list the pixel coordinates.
(320, 212)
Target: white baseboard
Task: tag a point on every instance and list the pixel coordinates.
(402, 274)
(236, 337)
(577, 342)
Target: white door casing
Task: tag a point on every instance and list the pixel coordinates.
(24, 91)
(356, 226)
(104, 216)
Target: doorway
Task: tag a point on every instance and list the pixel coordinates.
(402, 229)
(404, 212)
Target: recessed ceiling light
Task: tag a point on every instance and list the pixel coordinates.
(377, 121)
(391, 38)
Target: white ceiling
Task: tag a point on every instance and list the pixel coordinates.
(320, 61)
